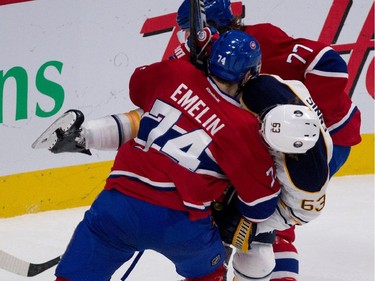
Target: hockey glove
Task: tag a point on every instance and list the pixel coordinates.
(205, 38)
(233, 227)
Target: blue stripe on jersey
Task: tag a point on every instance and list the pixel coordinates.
(290, 265)
(331, 62)
(147, 124)
(335, 130)
(263, 209)
(339, 156)
(309, 171)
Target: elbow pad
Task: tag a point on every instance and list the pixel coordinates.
(110, 132)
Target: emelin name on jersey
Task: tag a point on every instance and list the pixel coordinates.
(197, 108)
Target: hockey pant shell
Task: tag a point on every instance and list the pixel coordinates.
(116, 226)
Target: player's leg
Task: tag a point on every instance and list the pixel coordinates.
(217, 275)
(259, 262)
(96, 249)
(286, 256)
(195, 247)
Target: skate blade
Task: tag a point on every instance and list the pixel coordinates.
(49, 138)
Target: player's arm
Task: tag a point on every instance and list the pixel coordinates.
(326, 78)
(299, 210)
(234, 228)
(110, 132)
(304, 179)
(257, 190)
(70, 133)
(205, 38)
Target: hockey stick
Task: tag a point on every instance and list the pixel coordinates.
(27, 269)
(193, 31)
(197, 22)
(131, 267)
(202, 15)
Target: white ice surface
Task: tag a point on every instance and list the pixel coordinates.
(337, 246)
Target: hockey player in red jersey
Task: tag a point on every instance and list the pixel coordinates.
(323, 72)
(194, 138)
(299, 141)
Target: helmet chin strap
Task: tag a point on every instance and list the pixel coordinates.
(246, 78)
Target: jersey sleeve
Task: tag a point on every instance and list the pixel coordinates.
(326, 79)
(251, 170)
(143, 81)
(181, 52)
(320, 68)
(111, 131)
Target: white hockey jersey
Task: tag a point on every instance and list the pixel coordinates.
(304, 178)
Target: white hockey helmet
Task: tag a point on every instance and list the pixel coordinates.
(290, 128)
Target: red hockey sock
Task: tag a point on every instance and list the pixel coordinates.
(286, 257)
(218, 275)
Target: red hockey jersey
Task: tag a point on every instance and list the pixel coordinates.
(320, 68)
(193, 140)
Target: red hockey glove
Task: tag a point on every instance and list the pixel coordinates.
(205, 38)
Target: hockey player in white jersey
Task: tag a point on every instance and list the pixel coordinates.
(293, 127)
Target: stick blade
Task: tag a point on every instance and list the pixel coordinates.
(35, 269)
(20, 267)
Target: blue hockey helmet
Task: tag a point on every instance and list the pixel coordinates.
(233, 55)
(217, 11)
